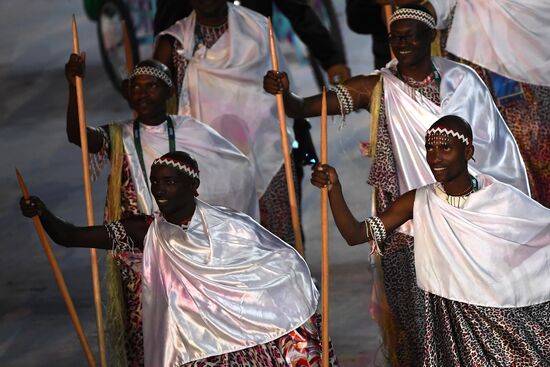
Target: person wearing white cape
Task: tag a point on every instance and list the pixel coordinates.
(218, 55)
(404, 99)
(131, 146)
(218, 288)
(482, 256)
(480, 34)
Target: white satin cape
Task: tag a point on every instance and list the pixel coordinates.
(223, 87)
(223, 285)
(509, 37)
(409, 115)
(494, 252)
(227, 176)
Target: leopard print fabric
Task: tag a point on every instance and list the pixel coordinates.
(299, 348)
(404, 297)
(459, 334)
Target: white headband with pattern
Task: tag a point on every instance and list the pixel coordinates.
(447, 132)
(172, 162)
(152, 71)
(419, 15)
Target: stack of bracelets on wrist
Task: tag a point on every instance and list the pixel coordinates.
(345, 101)
(376, 232)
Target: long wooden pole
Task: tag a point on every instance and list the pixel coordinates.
(324, 235)
(89, 203)
(286, 151)
(58, 277)
(127, 48)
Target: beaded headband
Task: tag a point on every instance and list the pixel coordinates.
(419, 15)
(152, 71)
(172, 162)
(434, 132)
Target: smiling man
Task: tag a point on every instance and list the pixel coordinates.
(404, 99)
(482, 254)
(131, 146)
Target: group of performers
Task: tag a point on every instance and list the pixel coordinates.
(459, 171)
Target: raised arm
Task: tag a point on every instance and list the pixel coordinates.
(163, 53)
(359, 88)
(69, 235)
(354, 231)
(76, 67)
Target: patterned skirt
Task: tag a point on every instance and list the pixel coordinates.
(299, 348)
(460, 334)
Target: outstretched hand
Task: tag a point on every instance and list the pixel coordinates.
(76, 66)
(32, 206)
(276, 82)
(324, 176)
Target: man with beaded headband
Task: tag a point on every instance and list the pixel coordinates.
(218, 288)
(482, 255)
(404, 99)
(131, 147)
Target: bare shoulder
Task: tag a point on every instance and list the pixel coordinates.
(361, 87)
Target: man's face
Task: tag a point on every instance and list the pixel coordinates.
(410, 41)
(147, 96)
(172, 189)
(447, 157)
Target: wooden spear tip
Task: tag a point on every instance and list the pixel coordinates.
(22, 184)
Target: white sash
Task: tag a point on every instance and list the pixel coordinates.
(493, 252)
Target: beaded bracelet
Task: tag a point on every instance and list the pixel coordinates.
(120, 240)
(344, 100)
(376, 231)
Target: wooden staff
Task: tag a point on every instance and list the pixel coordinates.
(89, 203)
(58, 277)
(127, 48)
(286, 152)
(387, 14)
(324, 235)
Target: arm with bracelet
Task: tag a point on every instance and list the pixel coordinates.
(371, 229)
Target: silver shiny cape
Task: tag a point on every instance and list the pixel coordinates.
(463, 93)
(222, 87)
(494, 252)
(223, 285)
(509, 37)
(227, 176)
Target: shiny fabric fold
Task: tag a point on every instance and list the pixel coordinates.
(494, 252)
(222, 87)
(227, 174)
(508, 37)
(462, 93)
(223, 285)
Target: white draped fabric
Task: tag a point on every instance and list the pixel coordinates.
(222, 87)
(410, 114)
(223, 285)
(493, 252)
(508, 37)
(227, 176)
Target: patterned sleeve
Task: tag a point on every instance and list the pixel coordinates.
(120, 241)
(97, 160)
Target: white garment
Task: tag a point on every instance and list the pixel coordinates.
(409, 115)
(508, 37)
(493, 252)
(223, 87)
(223, 285)
(227, 176)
